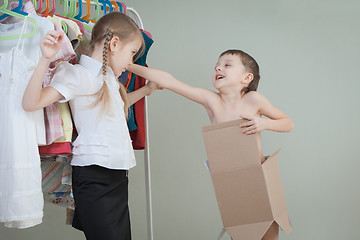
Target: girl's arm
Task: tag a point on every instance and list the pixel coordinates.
(277, 120)
(35, 97)
(165, 80)
(142, 92)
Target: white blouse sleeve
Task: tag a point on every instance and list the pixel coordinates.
(66, 81)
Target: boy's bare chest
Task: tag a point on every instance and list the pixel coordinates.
(224, 113)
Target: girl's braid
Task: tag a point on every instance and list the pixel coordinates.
(108, 36)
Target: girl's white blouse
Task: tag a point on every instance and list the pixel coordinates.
(103, 138)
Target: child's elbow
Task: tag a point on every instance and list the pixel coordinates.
(28, 107)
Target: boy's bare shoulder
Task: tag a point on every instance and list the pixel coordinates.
(253, 97)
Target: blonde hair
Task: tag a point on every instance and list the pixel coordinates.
(108, 26)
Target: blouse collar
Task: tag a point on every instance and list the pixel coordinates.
(93, 65)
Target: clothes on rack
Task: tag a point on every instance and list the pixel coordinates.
(21, 193)
(35, 150)
(54, 129)
(136, 121)
(21, 198)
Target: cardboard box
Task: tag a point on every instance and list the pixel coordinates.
(249, 194)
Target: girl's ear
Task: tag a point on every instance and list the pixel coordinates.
(114, 44)
(248, 78)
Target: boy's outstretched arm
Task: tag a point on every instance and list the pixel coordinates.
(277, 120)
(166, 80)
(142, 92)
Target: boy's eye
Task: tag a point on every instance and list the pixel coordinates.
(227, 65)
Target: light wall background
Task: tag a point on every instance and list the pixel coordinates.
(309, 56)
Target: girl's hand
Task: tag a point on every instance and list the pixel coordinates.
(151, 86)
(51, 43)
(254, 125)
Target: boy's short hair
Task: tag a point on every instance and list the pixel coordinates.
(250, 65)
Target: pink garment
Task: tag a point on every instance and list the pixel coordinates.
(27, 7)
(53, 121)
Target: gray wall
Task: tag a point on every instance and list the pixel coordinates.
(308, 53)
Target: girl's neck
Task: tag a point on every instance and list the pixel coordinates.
(97, 54)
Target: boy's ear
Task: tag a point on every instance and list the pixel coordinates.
(248, 78)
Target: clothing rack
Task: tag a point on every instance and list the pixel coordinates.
(139, 22)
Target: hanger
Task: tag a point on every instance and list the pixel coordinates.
(124, 8)
(72, 12)
(53, 5)
(120, 6)
(137, 18)
(18, 15)
(115, 5)
(88, 11)
(78, 16)
(47, 8)
(110, 5)
(40, 6)
(34, 3)
(97, 8)
(104, 5)
(51, 14)
(16, 10)
(66, 8)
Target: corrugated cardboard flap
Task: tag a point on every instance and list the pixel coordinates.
(242, 196)
(276, 192)
(228, 148)
(254, 231)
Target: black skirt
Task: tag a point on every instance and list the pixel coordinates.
(101, 203)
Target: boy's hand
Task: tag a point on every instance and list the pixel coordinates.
(151, 86)
(254, 125)
(51, 43)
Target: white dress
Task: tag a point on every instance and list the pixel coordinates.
(21, 198)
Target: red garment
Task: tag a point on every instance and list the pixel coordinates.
(138, 135)
(56, 148)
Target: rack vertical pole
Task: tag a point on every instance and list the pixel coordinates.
(147, 176)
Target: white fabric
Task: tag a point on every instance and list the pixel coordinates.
(30, 47)
(21, 198)
(103, 139)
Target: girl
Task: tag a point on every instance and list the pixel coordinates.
(236, 77)
(102, 152)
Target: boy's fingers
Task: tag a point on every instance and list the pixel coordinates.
(247, 117)
(246, 124)
(250, 132)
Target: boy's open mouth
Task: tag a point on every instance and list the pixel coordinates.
(219, 76)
